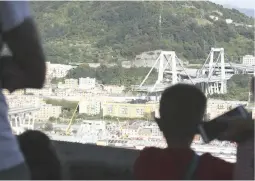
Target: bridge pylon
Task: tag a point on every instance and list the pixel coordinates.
(166, 63)
(22, 119)
(212, 62)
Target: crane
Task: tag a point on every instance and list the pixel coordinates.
(71, 120)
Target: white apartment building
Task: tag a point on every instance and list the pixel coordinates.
(155, 130)
(87, 83)
(90, 107)
(96, 91)
(47, 110)
(46, 91)
(77, 93)
(130, 132)
(248, 60)
(215, 18)
(23, 101)
(63, 93)
(217, 107)
(58, 70)
(114, 89)
(69, 84)
(94, 65)
(126, 64)
(229, 21)
(17, 92)
(92, 131)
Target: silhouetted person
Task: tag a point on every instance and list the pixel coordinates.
(252, 90)
(23, 68)
(40, 155)
(182, 108)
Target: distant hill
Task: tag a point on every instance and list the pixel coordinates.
(247, 12)
(116, 31)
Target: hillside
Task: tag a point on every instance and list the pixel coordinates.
(116, 31)
(247, 12)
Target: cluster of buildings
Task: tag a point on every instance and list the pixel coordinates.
(98, 99)
(248, 60)
(57, 70)
(218, 16)
(18, 100)
(109, 106)
(126, 109)
(217, 107)
(69, 87)
(81, 83)
(120, 107)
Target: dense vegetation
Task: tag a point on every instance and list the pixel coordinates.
(114, 75)
(66, 105)
(68, 109)
(116, 31)
(238, 88)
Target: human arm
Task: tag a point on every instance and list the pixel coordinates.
(15, 76)
(239, 129)
(244, 167)
(25, 68)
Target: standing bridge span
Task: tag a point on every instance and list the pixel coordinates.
(22, 118)
(211, 78)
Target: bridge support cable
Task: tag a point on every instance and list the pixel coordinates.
(210, 74)
(161, 71)
(199, 72)
(166, 63)
(212, 68)
(181, 64)
(223, 72)
(211, 77)
(146, 77)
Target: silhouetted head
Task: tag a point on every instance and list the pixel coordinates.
(40, 156)
(252, 85)
(182, 107)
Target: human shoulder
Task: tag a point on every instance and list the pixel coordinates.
(218, 164)
(209, 157)
(151, 150)
(13, 13)
(148, 153)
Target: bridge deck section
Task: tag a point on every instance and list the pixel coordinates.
(161, 87)
(22, 110)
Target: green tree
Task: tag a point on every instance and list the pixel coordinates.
(149, 116)
(52, 119)
(112, 31)
(67, 105)
(57, 80)
(48, 126)
(114, 75)
(238, 88)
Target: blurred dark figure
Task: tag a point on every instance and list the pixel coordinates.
(40, 155)
(182, 108)
(251, 98)
(23, 68)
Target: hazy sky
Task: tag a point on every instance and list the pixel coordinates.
(237, 3)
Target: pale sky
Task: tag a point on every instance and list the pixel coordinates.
(250, 4)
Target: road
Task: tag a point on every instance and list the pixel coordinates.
(64, 126)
